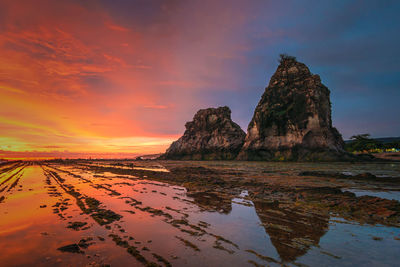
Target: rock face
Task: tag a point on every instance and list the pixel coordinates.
(212, 135)
(292, 121)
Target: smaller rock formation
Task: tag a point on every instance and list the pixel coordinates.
(292, 121)
(212, 135)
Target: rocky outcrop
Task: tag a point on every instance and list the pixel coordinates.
(292, 121)
(212, 135)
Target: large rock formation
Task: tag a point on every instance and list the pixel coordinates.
(292, 121)
(212, 135)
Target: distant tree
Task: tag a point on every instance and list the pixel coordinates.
(360, 137)
(362, 142)
(284, 56)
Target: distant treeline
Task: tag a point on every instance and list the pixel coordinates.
(363, 143)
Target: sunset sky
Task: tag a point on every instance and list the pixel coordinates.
(121, 78)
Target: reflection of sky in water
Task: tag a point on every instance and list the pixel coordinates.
(355, 245)
(382, 194)
(241, 226)
(26, 221)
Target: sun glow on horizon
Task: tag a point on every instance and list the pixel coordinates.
(124, 77)
(66, 90)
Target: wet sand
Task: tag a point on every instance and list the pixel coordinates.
(171, 213)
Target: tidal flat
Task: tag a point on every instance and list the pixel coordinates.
(199, 213)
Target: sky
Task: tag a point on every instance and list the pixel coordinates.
(121, 78)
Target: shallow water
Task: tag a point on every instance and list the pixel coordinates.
(128, 165)
(382, 194)
(294, 168)
(159, 219)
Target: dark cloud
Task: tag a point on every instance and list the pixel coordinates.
(352, 45)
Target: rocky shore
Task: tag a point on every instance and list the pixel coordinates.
(295, 211)
(92, 209)
(315, 192)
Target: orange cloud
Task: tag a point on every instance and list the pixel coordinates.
(115, 27)
(74, 76)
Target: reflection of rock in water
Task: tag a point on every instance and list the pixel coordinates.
(292, 232)
(211, 201)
